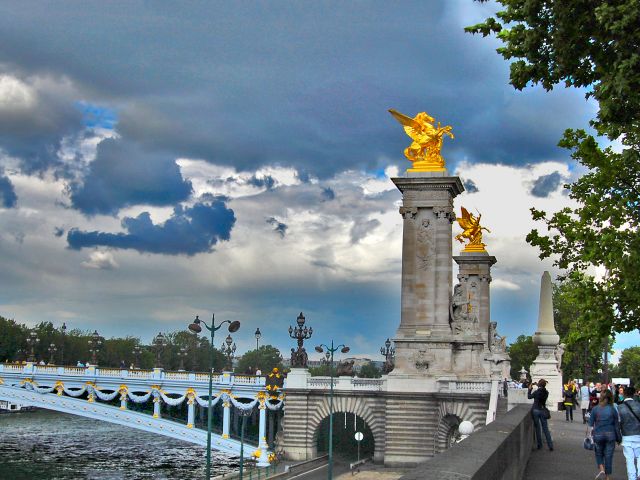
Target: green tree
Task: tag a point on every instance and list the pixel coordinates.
(576, 308)
(266, 358)
(324, 370)
(592, 44)
(629, 365)
(369, 370)
(522, 352)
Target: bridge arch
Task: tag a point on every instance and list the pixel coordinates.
(451, 413)
(366, 408)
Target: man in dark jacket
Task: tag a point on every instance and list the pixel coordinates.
(629, 411)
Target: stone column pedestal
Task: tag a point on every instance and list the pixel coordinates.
(423, 339)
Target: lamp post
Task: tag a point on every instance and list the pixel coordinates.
(388, 352)
(332, 350)
(196, 328)
(258, 336)
(244, 414)
(136, 355)
(159, 342)
(63, 329)
(228, 350)
(182, 353)
(300, 333)
(32, 341)
(52, 350)
(95, 343)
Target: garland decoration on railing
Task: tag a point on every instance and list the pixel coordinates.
(272, 402)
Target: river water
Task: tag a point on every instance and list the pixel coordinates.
(50, 445)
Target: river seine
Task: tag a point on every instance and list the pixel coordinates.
(49, 445)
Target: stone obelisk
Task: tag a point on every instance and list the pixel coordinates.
(546, 338)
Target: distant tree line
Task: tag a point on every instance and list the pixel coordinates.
(72, 346)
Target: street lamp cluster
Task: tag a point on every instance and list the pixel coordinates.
(196, 327)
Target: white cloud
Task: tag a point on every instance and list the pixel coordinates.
(15, 94)
(101, 260)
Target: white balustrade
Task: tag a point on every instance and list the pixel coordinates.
(176, 376)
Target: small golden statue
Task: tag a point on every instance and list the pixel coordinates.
(424, 152)
(472, 231)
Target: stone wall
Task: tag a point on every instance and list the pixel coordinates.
(498, 451)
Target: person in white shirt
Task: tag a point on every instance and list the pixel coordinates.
(584, 400)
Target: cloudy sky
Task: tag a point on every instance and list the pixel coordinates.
(158, 162)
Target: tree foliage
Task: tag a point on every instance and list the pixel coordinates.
(629, 365)
(522, 352)
(595, 45)
(266, 358)
(577, 308)
(324, 370)
(578, 43)
(369, 370)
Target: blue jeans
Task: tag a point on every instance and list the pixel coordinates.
(604, 448)
(540, 422)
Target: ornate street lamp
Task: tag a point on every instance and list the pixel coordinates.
(301, 333)
(196, 327)
(63, 329)
(182, 354)
(388, 352)
(258, 336)
(52, 350)
(32, 341)
(332, 350)
(228, 350)
(159, 342)
(95, 342)
(136, 355)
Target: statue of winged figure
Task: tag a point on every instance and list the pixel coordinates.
(424, 151)
(472, 231)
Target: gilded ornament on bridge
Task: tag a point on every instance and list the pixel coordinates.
(424, 151)
(472, 231)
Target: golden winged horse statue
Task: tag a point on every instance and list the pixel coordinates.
(424, 151)
(472, 231)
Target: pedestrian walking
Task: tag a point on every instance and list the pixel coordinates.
(629, 411)
(539, 412)
(585, 392)
(569, 394)
(605, 432)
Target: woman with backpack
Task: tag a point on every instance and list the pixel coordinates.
(605, 432)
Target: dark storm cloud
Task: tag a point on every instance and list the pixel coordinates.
(35, 114)
(123, 174)
(8, 197)
(279, 227)
(188, 231)
(470, 186)
(328, 194)
(294, 84)
(263, 182)
(546, 184)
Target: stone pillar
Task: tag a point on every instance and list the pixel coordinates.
(475, 276)
(156, 407)
(422, 342)
(226, 417)
(191, 412)
(263, 461)
(546, 338)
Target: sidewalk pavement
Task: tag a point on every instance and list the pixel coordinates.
(569, 460)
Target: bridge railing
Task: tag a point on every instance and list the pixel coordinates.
(346, 383)
(115, 373)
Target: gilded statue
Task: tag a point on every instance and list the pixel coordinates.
(424, 151)
(472, 231)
